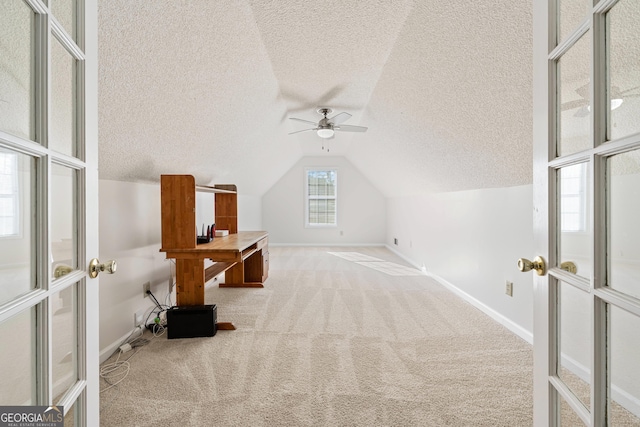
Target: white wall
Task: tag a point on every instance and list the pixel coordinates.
(361, 207)
(471, 239)
(130, 232)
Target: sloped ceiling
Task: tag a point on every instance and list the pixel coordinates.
(208, 87)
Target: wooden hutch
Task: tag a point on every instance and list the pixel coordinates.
(243, 256)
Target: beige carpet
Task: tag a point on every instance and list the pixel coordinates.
(332, 341)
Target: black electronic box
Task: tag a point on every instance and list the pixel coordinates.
(191, 321)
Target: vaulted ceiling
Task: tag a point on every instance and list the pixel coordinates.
(207, 88)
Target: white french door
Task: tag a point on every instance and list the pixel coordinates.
(586, 212)
(48, 206)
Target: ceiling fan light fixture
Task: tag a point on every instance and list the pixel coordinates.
(325, 133)
(616, 102)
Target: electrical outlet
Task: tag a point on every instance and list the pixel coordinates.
(509, 290)
(395, 241)
(146, 288)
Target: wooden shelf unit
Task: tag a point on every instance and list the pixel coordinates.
(243, 256)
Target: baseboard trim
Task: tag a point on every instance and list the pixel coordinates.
(504, 321)
(321, 245)
(619, 395)
(111, 348)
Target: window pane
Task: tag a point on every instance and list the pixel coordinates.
(623, 187)
(63, 82)
(17, 360)
(321, 193)
(568, 418)
(624, 390)
(17, 224)
(574, 99)
(64, 341)
(63, 220)
(65, 12)
(571, 13)
(623, 41)
(573, 215)
(17, 94)
(574, 340)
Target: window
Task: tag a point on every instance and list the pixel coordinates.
(321, 198)
(9, 214)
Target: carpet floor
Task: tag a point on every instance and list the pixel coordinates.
(337, 337)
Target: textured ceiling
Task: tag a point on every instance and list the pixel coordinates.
(207, 87)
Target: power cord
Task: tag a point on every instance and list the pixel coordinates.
(115, 372)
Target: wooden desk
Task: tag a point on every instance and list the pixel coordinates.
(244, 256)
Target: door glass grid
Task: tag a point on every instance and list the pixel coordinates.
(64, 343)
(64, 247)
(17, 224)
(574, 98)
(65, 13)
(17, 65)
(568, 418)
(571, 13)
(62, 127)
(574, 133)
(574, 340)
(23, 78)
(573, 215)
(18, 359)
(623, 43)
(623, 231)
(624, 385)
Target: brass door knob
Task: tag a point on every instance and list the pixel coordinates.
(95, 267)
(569, 266)
(537, 264)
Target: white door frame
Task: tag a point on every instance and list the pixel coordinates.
(91, 322)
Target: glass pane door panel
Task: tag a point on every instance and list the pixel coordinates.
(63, 220)
(64, 341)
(17, 224)
(571, 13)
(574, 99)
(623, 39)
(62, 137)
(574, 218)
(574, 340)
(70, 416)
(568, 418)
(65, 12)
(623, 179)
(17, 100)
(624, 390)
(17, 359)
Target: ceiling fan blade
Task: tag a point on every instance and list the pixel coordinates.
(570, 105)
(339, 118)
(304, 121)
(350, 128)
(303, 130)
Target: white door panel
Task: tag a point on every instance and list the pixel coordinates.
(48, 206)
(586, 205)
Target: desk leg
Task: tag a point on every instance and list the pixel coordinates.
(189, 282)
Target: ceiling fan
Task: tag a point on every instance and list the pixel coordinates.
(583, 107)
(326, 127)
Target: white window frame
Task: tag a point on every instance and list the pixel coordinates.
(308, 197)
